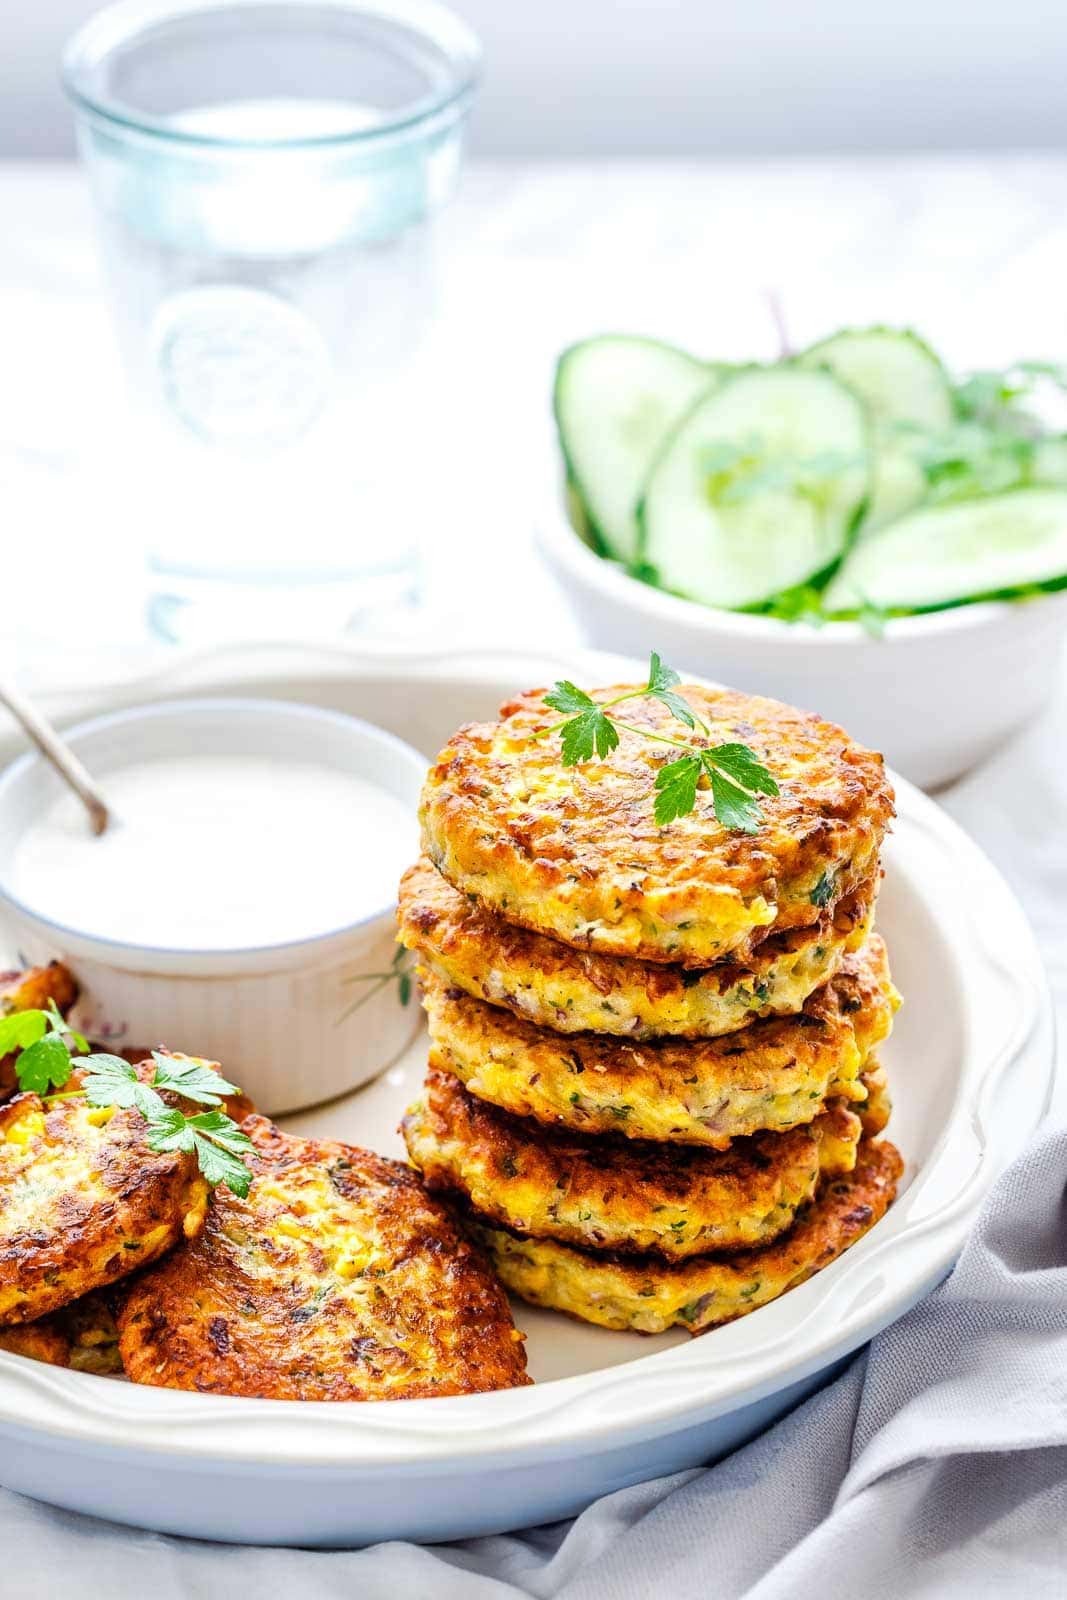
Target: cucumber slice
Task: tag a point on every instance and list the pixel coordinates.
(892, 371)
(904, 384)
(899, 485)
(945, 555)
(1050, 460)
(616, 399)
(758, 488)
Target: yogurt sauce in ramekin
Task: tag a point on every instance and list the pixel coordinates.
(217, 852)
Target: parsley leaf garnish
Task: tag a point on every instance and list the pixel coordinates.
(49, 1049)
(45, 1042)
(592, 730)
(43, 1063)
(567, 697)
(111, 1081)
(191, 1078)
(399, 973)
(215, 1140)
(676, 788)
(823, 891)
(57, 1022)
(20, 1029)
(661, 682)
(737, 776)
(734, 773)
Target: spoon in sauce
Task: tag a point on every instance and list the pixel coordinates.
(55, 750)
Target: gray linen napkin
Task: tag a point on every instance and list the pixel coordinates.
(936, 1465)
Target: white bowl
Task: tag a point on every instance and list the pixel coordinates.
(280, 1018)
(936, 694)
(970, 1065)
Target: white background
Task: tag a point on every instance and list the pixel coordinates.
(591, 77)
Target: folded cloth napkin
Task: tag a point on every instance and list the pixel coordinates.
(936, 1465)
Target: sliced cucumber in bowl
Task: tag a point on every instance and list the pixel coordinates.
(899, 484)
(999, 545)
(616, 398)
(1050, 460)
(905, 387)
(759, 487)
(894, 373)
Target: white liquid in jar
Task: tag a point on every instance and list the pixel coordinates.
(218, 853)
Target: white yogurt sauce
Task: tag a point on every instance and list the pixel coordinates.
(218, 853)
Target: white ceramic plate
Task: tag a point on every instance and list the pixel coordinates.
(971, 1065)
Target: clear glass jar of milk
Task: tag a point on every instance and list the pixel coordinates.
(264, 175)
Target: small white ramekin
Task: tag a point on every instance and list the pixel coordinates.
(293, 1024)
(936, 694)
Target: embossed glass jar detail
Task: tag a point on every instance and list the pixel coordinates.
(264, 177)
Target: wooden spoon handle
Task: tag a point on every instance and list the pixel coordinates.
(53, 748)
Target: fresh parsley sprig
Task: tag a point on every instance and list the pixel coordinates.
(994, 396)
(733, 772)
(48, 1050)
(735, 472)
(44, 1041)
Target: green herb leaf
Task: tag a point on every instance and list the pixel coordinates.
(661, 682)
(676, 788)
(984, 394)
(170, 1130)
(45, 1062)
(743, 766)
(660, 675)
(111, 1081)
(719, 458)
(592, 730)
(1054, 371)
(20, 1029)
(191, 1078)
(43, 1065)
(214, 1138)
(872, 619)
(993, 397)
(733, 807)
(58, 1024)
(735, 472)
(737, 776)
(802, 603)
(567, 697)
(823, 891)
(735, 773)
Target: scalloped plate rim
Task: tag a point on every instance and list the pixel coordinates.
(437, 1433)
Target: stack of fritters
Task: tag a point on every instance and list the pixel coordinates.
(653, 1087)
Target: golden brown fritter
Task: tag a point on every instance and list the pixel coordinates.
(774, 1074)
(82, 1336)
(877, 1109)
(83, 1201)
(576, 853)
(575, 991)
(648, 1295)
(608, 1193)
(339, 1278)
(43, 1341)
(31, 990)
